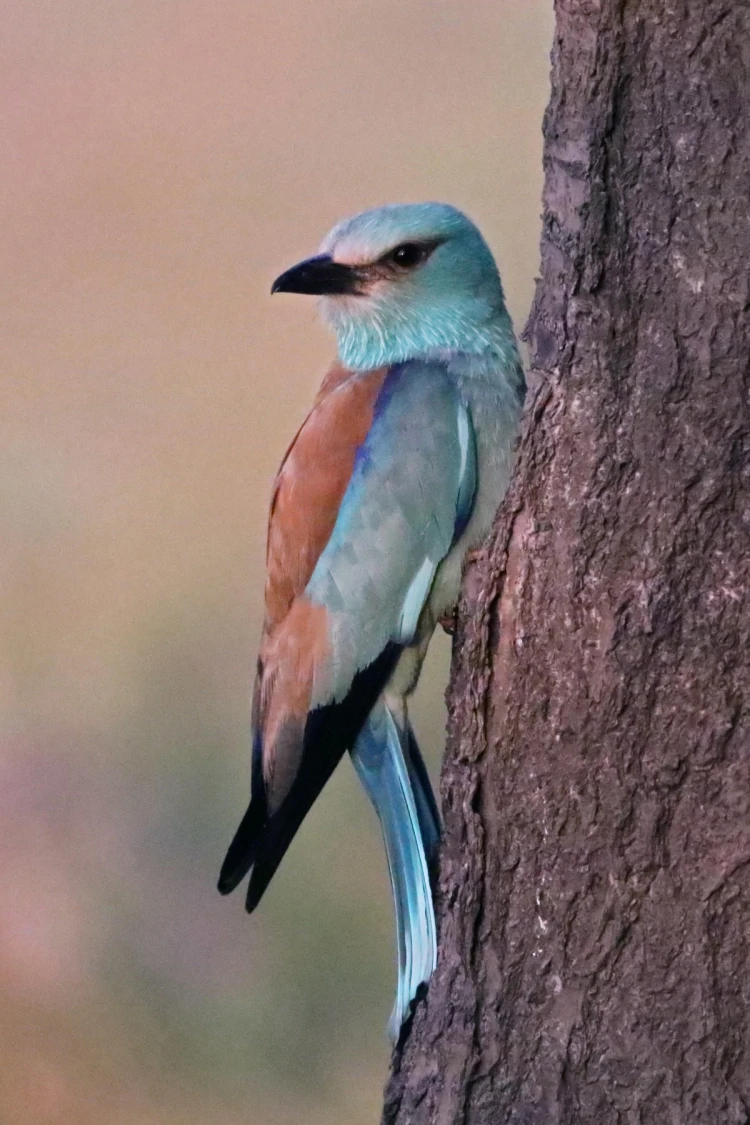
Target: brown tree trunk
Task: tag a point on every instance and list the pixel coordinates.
(595, 879)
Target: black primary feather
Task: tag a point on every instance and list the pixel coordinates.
(261, 840)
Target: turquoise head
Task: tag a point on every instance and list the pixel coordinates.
(407, 281)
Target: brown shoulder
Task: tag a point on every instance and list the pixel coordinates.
(312, 481)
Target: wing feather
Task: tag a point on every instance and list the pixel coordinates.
(365, 507)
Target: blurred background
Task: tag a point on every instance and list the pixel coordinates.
(162, 161)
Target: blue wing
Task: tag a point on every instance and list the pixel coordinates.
(411, 491)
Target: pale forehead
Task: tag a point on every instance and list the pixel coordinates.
(366, 236)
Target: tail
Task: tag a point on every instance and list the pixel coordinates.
(427, 810)
(392, 773)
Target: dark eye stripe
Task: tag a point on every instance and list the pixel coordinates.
(409, 255)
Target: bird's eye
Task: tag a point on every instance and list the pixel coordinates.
(409, 254)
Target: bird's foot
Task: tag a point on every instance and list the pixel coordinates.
(475, 556)
(449, 621)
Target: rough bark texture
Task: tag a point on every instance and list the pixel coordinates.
(595, 879)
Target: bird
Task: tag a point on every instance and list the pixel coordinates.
(392, 479)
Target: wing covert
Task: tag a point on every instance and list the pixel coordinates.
(411, 487)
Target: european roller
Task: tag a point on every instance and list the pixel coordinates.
(394, 476)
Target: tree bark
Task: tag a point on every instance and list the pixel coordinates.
(594, 891)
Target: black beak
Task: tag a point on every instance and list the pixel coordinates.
(321, 276)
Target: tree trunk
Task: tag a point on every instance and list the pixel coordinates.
(594, 895)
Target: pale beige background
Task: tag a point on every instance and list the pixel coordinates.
(162, 161)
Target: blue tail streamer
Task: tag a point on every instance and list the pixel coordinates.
(427, 810)
(395, 781)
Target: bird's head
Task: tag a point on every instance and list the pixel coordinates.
(406, 281)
